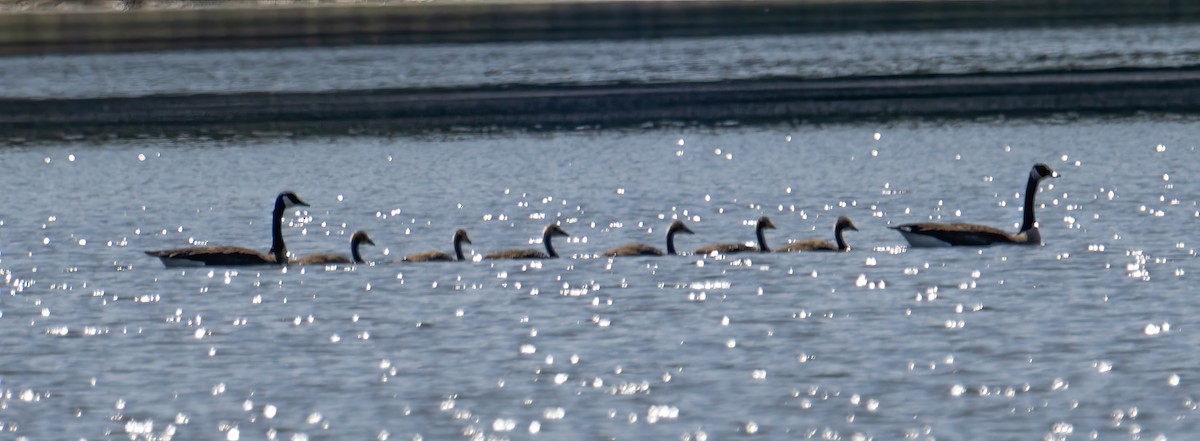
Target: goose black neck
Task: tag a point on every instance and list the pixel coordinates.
(841, 243)
(762, 239)
(549, 247)
(458, 254)
(278, 249)
(1030, 222)
(354, 252)
(671, 242)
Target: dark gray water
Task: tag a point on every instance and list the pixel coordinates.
(667, 60)
(1089, 336)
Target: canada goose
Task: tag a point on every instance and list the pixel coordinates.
(550, 231)
(727, 248)
(843, 223)
(639, 249)
(236, 256)
(359, 237)
(460, 237)
(930, 234)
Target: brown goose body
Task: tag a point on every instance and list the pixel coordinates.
(517, 254)
(358, 238)
(634, 249)
(931, 234)
(234, 255)
(814, 244)
(726, 248)
(212, 256)
(429, 256)
(460, 237)
(549, 232)
(321, 259)
(763, 223)
(640, 249)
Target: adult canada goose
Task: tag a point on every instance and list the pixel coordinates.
(460, 237)
(358, 238)
(814, 244)
(236, 256)
(640, 249)
(930, 234)
(727, 248)
(550, 231)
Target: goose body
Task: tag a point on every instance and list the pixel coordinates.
(549, 232)
(233, 255)
(640, 249)
(211, 256)
(843, 223)
(358, 238)
(460, 237)
(730, 248)
(931, 234)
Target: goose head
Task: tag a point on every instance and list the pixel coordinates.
(460, 236)
(844, 223)
(678, 227)
(290, 199)
(1042, 171)
(360, 237)
(554, 230)
(764, 223)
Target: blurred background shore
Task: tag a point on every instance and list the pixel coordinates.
(88, 67)
(47, 26)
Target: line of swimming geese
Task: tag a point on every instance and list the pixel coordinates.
(927, 234)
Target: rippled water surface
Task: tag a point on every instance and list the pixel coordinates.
(677, 59)
(1088, 336)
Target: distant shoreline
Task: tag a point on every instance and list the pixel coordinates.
(46, 32)
(1115, 92)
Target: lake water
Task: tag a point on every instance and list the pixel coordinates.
(1090, 336)
(588, 62)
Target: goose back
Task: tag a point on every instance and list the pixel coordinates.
(634, 249)
(808, 245)
(211, 256)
